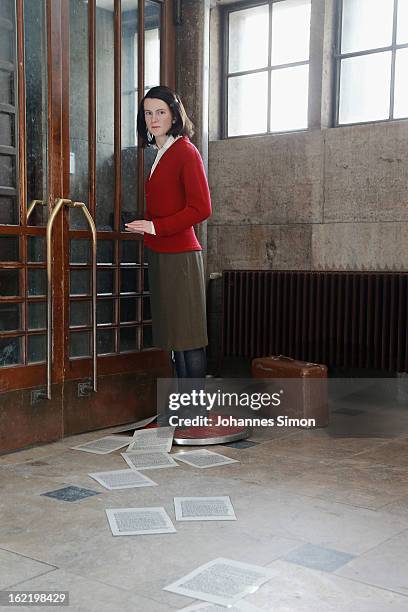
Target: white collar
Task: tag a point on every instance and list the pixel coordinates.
(170, 140)
(167, 144)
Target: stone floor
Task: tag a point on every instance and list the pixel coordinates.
(326, 509)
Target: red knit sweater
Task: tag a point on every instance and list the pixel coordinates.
(177, 197)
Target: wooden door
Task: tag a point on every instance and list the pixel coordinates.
(72, 72)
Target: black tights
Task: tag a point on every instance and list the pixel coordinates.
(190, 364)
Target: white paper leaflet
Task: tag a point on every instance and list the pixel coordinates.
(142, 460)
(139, 521)
(203, 458)
(135, 425)
(204, 509)
(104, 445)
(157, 438)
(122, 479)
(222, 581)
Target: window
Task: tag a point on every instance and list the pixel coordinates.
(266, 67)
(372, 62)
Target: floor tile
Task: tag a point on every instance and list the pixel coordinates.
(299, 589)
(317, 557)
(384, 566)
(90, 596)
(15, 567)
(70, 494)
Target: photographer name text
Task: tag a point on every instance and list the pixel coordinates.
(232, 421)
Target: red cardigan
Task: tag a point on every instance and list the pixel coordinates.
(177, 197)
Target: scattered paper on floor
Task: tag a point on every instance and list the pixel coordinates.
(203, 458)
(135, 425)
(139, 521)
(122, 479)
(142, 460)
(222, 581)
(204, 509)
(104, 445)
(156, 438)
(240, 606)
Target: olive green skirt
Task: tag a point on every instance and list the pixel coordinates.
(177, 300)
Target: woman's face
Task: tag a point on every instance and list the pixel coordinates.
(158, 117)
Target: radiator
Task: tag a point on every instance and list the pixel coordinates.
(350, 319)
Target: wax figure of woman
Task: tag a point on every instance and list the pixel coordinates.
(177, 197)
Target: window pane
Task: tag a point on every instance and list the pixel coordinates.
(7, 171)
(247, 110)
(80, 282)
(10, 351)
(78, 125)
(37, 348)
(105, 88)
(105, 340)
(129, 339)
(6, 9)
(147, 336)
(36, 249)
(146, 287)
(7, 130)
(290, 31)
(9, 248)
(104, 251)
(402, 23)
(37, 312)
(6, 45)
(152, 44)
(130, 251)
(401, 89)
(365, 88)
(80, 344)
(6, 87)
(129, 109)
(130, 282)
(147, 313)
(79, 313)
(79, 251)
(129, 310)
(37, 282)
(36, 84)
(8, 211)
(366, 24)
(104, 281)
(10, 317)
(104, 312)
(289, 98)
(248, 39)
(9, 282)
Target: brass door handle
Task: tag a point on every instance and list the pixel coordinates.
(33, 204)
(59, 203)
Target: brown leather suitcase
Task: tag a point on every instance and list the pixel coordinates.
(305, 396)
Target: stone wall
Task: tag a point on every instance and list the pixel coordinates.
(322, 199)
(317, 200)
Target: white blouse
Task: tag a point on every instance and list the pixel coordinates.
(171, 140)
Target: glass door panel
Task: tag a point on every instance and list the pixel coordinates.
(129, 105)
(36, 96)
(78, 109)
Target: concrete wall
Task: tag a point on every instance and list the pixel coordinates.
(323, 199)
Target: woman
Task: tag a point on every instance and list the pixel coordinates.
(177, 197)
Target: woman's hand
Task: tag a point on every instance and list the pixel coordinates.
(140, 227)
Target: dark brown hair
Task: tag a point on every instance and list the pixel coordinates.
(182, 124)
